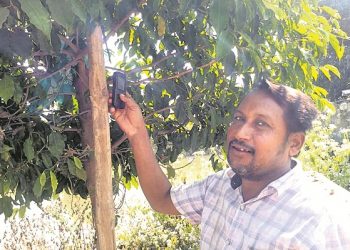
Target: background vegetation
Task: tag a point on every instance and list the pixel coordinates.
(188, 63)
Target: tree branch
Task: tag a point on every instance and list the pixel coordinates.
(72, 63)
(118, 25)
(117, 143)
(124, 137)
(151, 65)
(176, 76)
(69, 43)
(158, 111)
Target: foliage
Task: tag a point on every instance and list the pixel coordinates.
(338, 84)
(64, 223)
(327, 150)
(150, 230)
(188, 63)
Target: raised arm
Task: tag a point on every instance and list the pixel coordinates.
(155, 185)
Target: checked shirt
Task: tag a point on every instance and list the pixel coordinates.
(297, 211)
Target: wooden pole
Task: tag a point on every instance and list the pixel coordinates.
(100, 170)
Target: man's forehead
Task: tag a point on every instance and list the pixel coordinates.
(259, 102)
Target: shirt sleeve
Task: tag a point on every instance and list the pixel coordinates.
(189, 200)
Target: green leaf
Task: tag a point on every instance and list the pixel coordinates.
(134, 182)
(81, 174)
(325, 71)
(37, 189)
(42, 179)
(62, 13)
(314, 73)
(5, 148)
(4, 13)
(7, 88)
(5, 186)
(54, 182)
(79, 10)
(21, 44)
(333, 69)
(328, 104)
(320, 91)
(56, 144)
(22, 211)
(95, 9)
(219, 14)
(192, 117)
(38, 16)
(6, 206)
(249, 41)
(5, 156)
(44, 42)
(28, 149)
(18, 93)
(71, 166)
(77, 172)
(339, 49)
(332, 12)
(78, 163)
(194, 140)
(46, 160)
(161, 26)
(170, 172)
(213, 122)
(224, 44)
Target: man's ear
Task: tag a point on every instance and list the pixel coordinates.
(296, 141)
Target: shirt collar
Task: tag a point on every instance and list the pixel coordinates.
(283, 183)
(289, 179)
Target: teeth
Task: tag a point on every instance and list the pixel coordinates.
(242, 149)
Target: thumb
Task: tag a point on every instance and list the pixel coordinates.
(129, 101)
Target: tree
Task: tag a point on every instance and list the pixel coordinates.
(188, 63)
(335, 85)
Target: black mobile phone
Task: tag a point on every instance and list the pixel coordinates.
(119, 87)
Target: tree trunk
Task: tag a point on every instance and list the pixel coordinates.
(99, 169)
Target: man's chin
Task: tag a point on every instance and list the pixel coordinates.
(240, 170)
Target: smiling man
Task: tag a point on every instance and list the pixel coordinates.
(264, 200)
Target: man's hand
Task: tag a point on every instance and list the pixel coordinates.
(129, 119)
(154, 183)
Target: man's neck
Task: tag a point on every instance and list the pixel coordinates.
(252, 187)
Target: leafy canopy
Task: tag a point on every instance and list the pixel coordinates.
(188, 63)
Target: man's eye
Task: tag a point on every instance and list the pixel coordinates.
(237, 118)
(261, 124)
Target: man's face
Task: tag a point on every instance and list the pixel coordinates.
(257, 138)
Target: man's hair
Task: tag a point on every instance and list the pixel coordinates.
(298, 108)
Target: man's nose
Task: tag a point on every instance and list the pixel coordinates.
(244, 132)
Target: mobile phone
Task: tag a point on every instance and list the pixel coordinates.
(119, 87)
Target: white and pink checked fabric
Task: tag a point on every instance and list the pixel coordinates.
(297, 211)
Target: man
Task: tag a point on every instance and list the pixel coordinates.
(264, 200)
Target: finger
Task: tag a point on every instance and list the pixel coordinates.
(112, 110)
(129, 101)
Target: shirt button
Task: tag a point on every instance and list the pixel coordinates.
(242, 207)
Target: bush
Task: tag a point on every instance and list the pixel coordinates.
(64, 223)
(145, 229)
(327, 150)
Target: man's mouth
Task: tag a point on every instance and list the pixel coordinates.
(242, 147)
